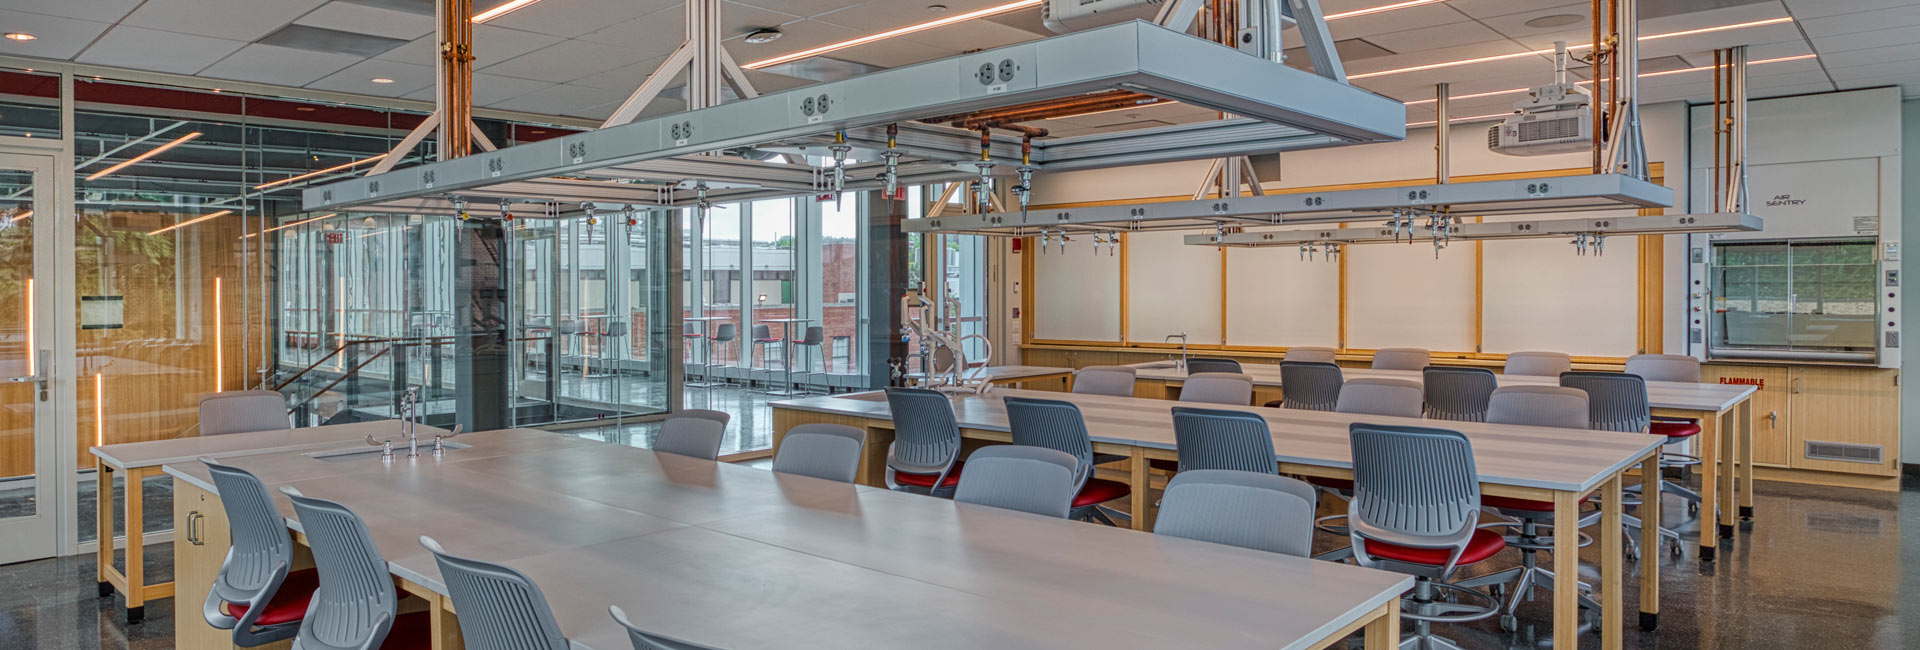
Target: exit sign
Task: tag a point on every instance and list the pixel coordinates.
(336, 237)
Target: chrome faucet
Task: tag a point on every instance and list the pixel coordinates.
(1183, 348)
(410, 419)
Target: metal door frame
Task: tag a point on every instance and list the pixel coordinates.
(54, 530)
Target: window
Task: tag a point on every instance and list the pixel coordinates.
(1801, 296)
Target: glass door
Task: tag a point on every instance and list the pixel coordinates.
(28, 529)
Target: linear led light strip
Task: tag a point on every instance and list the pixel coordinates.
(289, 225)
(149, 154)
(1509, 91)
(502, 10)
(307, 175)
(190, 222)
(1570, 48)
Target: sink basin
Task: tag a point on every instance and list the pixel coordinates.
(353, 453)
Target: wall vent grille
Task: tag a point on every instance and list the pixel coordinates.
(1843, 452)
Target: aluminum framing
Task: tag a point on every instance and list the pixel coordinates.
(1285, 109)
(1479, 198)
(1665, 224)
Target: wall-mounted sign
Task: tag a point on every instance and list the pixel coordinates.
(102, 312)
(336, 237)
(1756, 382)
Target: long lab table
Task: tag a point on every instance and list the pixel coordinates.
(1562, 466)
(743, 558)
(136, 461)
(1725, 413)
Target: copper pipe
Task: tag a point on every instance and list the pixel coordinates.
(1599, 121)
(1714, 203)
(1023, 130)
(1073, 111)
(1000, 113)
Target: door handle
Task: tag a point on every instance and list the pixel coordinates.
(193, 531)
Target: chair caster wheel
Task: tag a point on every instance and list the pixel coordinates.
(1675, 549)
(1509, 623)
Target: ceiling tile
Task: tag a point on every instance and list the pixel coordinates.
(1865, 40)
(150, 49)
(1873, 69)
(1438, 36)
(661, 31)
(892, 53)
(767, 82)
(562, 99)
(800, 8)
(1864, 21)
(1492, 8)
(1808, 9)
(272, 64)
(881, 15)
(566, 61)
(104, 11)
(1788, 91)
(358, 78)
(1399, 20)
(489, 89)
(625, 78)
(59, 38)
(243, 20)
(490, 45)
(1909, 83)
(1514, 25)
(363, 19)
(1410, 59)
(972, 35)
(571, 18)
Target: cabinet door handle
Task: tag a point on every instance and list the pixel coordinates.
(1796, 386)
(193, 535)
(1773, 418)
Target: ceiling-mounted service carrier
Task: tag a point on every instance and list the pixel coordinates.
(1067, 16)
(1553, 119)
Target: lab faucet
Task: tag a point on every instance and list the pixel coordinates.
(410, 416)
(1183, 348)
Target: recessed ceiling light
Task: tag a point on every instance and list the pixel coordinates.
(763, 35)
(1556, 20)
(382, 80)
(936, 8)
(20, 36)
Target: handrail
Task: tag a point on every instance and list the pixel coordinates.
(336, 351)
(341, 378)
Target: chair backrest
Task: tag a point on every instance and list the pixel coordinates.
(257, 562)
(1412, 486)
(500, 608)
(1264, 512)
(1199, 365)
(1615, 401)
(644, 640)
(1309, 385)
(355, 605)
(1309, 354)
(762, 332)
(693, 328)
(1458, 393)
(821, 450)
(1055, 425)
(1401, 359)
(814, 335)
(926, 435)
(725, 332)
(1664, 367)
(1218, 439)
(692, 433)
(1116, 381)
(1218, 388)
(1376, 396)
(1538, 406)
(1539, 364)
(1017, 477)
(243, 411)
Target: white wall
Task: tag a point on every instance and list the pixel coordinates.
(1910, 218)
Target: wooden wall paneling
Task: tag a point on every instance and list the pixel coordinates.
(1770, 406)
(1844, 405)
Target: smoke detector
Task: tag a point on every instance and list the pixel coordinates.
(763, 35)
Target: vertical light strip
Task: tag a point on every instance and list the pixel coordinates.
(219, 341)
(340, 320)
(32, 352)
(99, 409)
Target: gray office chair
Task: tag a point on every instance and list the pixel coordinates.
(1539, 364)
(693, 432)
(1059, 425)
(1401, 359)
(1537, 406)
(1458, 393)
(356, 607)
(1263, 512)
(1618, 402)
(1036, 480)
(1115, 381)
(925, 455)
(1665, 367)
(1218, 388)
(1675, 368)
(1217, 439)
(500, 608)
(1416, 510)
(1199, 365)
(1375, 396)
(1309, 385)
(821, 450)
(1309, 354)
(644, 640)
(255, 594)
(243, 411)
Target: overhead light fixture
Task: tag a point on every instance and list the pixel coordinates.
(920, 27)
(149, 154)
(21, 36)
(1380, 9)
(328, 170)
(1647, 75)
(285, 226)
(190, 222)
(763, 35)
(381, 80)
(305, 109)
(1570, 48)
(502, 10)
(18, 217)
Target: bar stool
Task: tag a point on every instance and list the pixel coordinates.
(1416, 510)
(762, 337)
(722, 334)
(810, 341)
(691, 333)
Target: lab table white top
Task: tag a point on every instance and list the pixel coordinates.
(132, 455)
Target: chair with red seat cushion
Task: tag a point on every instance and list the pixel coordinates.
(499, 606)
(1416, 510)
(356, 606)
(1263, 512)
(1618, 402)
(1059, 425)
(925, 455)
(253, 594)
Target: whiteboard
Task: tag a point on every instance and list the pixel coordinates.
(1076, 293)
(1172, 288)
(1401, 296)
(1541, 296)
(1276, 299)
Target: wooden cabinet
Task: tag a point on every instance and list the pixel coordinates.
(1852, 413)
(1770, 439)
(200, 543)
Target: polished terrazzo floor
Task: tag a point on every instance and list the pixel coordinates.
(1820, 568)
